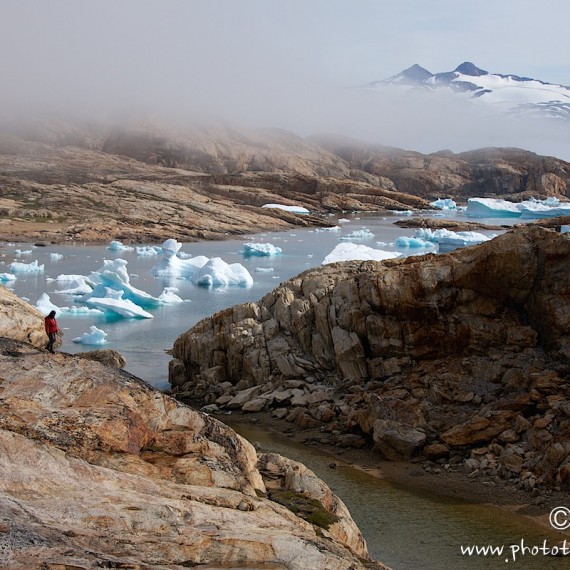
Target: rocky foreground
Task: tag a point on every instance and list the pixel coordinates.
(87, 183)
(98, 469)
(460, 359)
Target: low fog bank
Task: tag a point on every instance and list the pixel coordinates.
(424, 123)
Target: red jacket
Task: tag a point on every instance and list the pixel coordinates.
(51, 325)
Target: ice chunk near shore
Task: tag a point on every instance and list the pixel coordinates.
(260, 249)
(350, 251)
(20, 252)
(444, 204)
(118, 246)
(343, 221)
(217, 273)
(364, 233)
(549, 208)
(331, 229)
(45, 305)
(492, 208)
(414, 243)
(448, 240)
(96, 336)
(76, 285)
(26, 268)
(5, 277)
(293, 209)
(54, 256)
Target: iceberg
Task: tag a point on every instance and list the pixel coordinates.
(148, 250)
(172, 265)
(20, 252)
(364, 233)
(54, 256)
(260, 249)
(26, 268)
(293, 209)
(45, 305)
(169, 296)
(5, 277)
(350, 251)
(96, 336)
(332, 229)
(491, 208)
(76, 285)
(444, 204)
(549, 208)
(113, 301)
(264, 269)
(217, 273)
(118, 246)
(448, 240)
(343, 221)
(413, 242)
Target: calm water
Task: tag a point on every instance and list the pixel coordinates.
(405, 529)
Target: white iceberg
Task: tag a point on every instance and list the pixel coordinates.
(343, 221)
(175, 267)
(332, 229)
(148, 250)
(5, 277)
(446, 239)
(45, 305)
(217, 273)
(76, 285)
(264, 269)
(413, 243)
(293, 209)
(96, 337)
(26, 268)
(350, 251)
(54, 256)
(113, 301)
(492, 208)
(444, 204)
(364, 233)
(549, 208)
(169, 296)
(260, 249)
(118, 246)
(20, 252)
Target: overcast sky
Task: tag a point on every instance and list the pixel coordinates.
(284, 63)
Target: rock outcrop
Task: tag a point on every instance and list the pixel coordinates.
(462, 358)
(76, 183)
(98, 469)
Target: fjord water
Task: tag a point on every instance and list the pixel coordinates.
(144, 342)
(404, 528)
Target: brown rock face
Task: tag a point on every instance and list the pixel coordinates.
(451, 349)
(98, 469)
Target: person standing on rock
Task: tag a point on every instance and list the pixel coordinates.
(51, 330)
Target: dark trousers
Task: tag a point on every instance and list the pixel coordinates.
(52, 339)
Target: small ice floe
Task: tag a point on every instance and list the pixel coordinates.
(26, 268)
(264, 269)
(113, 301)
(54, 256)
(96, 337)
(402, 212)
(364, 233)
(45, 305)
(293, 209)
(343, 221)
(444, 204)
(169, 296)
(5, 277)
(414, 242)
(260, 249)
(351, 251)
(148, 250)
(217, 273)
(118, 246)
(333, 229)
(20, 252)
(448, 240)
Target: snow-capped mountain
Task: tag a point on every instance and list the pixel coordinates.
(518, 96)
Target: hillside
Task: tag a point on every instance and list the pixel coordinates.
(87, 183)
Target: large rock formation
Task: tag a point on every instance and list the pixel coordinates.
(464, 356)
(86, 183)
(98, 469)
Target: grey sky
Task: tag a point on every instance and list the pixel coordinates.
(269, 62)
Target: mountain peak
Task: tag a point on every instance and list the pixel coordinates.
(468, 68)
(416, 72)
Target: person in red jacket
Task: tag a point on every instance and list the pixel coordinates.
(51, 330)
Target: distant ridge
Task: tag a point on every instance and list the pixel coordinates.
(517, 96)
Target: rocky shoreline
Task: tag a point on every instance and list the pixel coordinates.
(458, 360)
